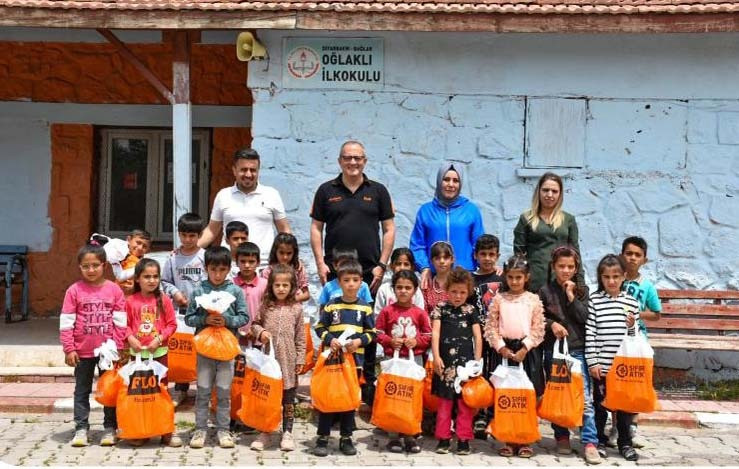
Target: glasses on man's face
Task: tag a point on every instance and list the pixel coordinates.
(350, 158)
(95, 266)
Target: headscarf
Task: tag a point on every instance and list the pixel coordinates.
(439, 196)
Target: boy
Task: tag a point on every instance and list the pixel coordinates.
(634, 252)
(139, 243)
(236, 233)
(346, 312)
(211, 372)
(487, 282)
(183, 271)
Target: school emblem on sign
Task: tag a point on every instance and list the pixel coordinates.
(303, 62)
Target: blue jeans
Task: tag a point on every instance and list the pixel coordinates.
(588, 434)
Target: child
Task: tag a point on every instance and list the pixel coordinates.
(455, 339)
(139, 243)
(332, 289)
(281, 320)
(566, 311)
(211, 372)
(150, 322)
(346, 312)
(514, 329)
(404, 326)
(611, 314)
(487, 283)
(285, 251)
(634, 252)
(442, 258)
(236, 233)
(400, 259)
(183, 271)
(253, 286)
(93, 312)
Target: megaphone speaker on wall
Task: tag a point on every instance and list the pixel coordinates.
(249, 48)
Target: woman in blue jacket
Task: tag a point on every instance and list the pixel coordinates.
(449, 217)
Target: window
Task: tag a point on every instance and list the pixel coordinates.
(136, 180)
(555, 133)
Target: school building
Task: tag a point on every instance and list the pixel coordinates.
(632, 101)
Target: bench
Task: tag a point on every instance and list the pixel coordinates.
(697, 320)
(14, 270)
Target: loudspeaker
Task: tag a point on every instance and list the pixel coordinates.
(249, 48)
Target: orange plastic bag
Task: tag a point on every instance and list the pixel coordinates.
(430, 402)
(398, 405)
(515, 406)
(334, 386)
(563, 402)
(478, 393)
(108, 385)
(217, 343)
(310, 353)
(261, 395)
(144, 407)
(181, 356)
(629, 381)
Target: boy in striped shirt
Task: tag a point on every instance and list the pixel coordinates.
(611, 314)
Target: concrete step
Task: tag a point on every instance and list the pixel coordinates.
(32, 355)
(36, 374)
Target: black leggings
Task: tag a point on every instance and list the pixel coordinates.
(288, 409)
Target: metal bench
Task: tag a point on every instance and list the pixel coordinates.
(14, 270)
(697, 320)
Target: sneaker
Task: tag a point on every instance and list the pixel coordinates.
(628, 453)
(225, 440)
(411, 445)
(442, 447)
(463, 448)
(602, 451)
(179, 397)
(479, 429)
(80, 438)
(287, 442)
(198, 439)
(395, 446)
(108, 438)
(261, 442)
(637, 441)
(346, 446)
(321, 449)
(591, 454)
(171, 440)
(612, 437)
(563, 446)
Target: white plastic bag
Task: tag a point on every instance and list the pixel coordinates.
(215, 301)
(138, 364)
(470, 370)
(107, 354)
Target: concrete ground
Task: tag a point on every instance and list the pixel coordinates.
(39, 440)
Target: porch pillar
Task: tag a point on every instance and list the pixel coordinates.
(181, 130)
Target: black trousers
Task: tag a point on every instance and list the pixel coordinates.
(623, 419)
(84, 373)
(326, 420)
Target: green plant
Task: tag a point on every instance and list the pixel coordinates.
(719, 391)
(303, 412)
(185, 425)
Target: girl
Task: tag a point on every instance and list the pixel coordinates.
(611, 314)
(442, 257)
(281, 319)
(151, 321)
(514, 328)
(455, 339)
(400, 259)
(404, 326)
(566, 311)
(93, 312)
(285, 252)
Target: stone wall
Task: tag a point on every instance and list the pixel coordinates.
(661, 152)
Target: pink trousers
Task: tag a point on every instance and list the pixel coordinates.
(463, 426)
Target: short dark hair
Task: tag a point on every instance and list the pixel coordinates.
(340, 255)
(247, 249)
(141, 234)
(405, 275)
(190, 223)
(94, 249)
(234, 226)
(637, 241)
(217, 256)
(349, 267)
(487, 241)
(245, 153)
(460, 275)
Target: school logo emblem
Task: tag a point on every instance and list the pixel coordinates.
(303, 63)
(504, 402)
(391, 388)
(622, 371)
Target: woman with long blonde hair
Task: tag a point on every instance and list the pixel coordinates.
(544, 227)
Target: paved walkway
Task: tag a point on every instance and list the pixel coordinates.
(30, 440)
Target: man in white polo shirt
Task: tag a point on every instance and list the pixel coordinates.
(259, 206)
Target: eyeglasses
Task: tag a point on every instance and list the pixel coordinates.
(350, 158)
(90, 266)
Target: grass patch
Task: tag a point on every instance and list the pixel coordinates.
(720, 391)
(185, 425)
(303, 413)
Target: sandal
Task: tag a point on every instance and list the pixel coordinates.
(506, 451)
(525, 452)
(411, 445)
(395, 446)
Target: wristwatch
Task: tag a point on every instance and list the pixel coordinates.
(383, 265)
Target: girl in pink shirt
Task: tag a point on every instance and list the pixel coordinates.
(515, 328)
(93, 312)
(151, 322)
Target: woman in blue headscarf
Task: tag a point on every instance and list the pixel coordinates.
(449, 217)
